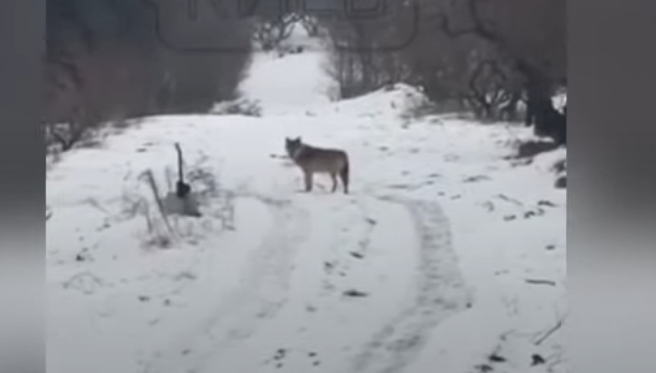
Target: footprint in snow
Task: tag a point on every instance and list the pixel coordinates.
(279, 358)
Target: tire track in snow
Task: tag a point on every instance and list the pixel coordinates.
(441, 293)
(262, 293)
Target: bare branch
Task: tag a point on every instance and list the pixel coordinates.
(477, 28)
(540, 282)
(551, 331)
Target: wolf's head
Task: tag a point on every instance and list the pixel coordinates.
(291, 145)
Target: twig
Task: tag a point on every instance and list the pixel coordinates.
(94, 203)
(511, 200)
(169, 178)
(151, 180)
(540, 282)
(549, 332)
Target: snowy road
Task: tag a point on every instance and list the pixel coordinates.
(286, 291)
(363, 277)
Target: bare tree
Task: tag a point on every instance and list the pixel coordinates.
(310, 24)
(483, 56)
(363, 59)
(105, 61)
(269, 32)
(531, 35)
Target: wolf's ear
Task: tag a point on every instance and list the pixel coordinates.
(298, 139)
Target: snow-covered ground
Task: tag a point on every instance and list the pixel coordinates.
(445, 257)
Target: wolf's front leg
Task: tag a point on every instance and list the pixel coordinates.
(308, 181)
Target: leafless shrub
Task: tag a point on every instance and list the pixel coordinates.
(137, 202)
(270, 32)
(310, 24)
(105, 62)
(146, 200)
(238, 107)
(482, 56)
(424, 108)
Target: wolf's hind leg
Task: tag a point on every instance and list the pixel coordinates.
(334, 177)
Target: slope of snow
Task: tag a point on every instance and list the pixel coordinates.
(271, 84)
(443, 254)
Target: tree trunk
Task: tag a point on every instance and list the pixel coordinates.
(540, 112)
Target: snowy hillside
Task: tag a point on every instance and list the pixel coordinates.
(445, 257)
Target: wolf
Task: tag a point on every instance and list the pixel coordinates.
(313, 160)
